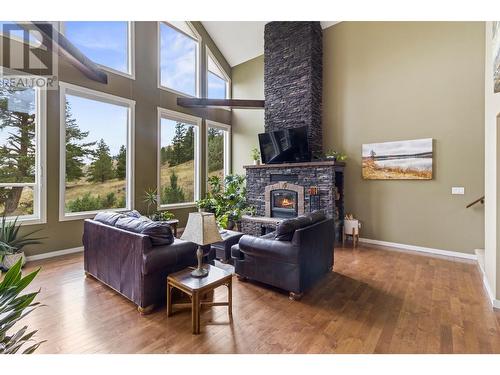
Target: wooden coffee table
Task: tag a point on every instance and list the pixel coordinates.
(196, 287)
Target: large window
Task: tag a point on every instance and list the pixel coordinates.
(22, 112)
(96, 152)
(178, 58)
(218, 149)
(217, 79)
(109, 44)
(178, 158)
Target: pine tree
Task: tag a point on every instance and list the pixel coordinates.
(121, 163)
(75, 152)
(178, 144)
(215, 150)
(173, 193)
(101, 168)
(17, 154)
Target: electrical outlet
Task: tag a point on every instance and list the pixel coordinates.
(458, 190)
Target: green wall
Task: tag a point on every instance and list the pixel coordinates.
(68, 234)
(387, 81)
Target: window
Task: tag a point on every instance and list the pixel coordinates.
(178, 58)
(109, 44)
(96, 152)
(178, 158)
(217, 80)
(218, 149)
(22, 112)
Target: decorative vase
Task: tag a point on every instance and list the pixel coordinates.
(230, 225)
(256, 162)
(10, 259)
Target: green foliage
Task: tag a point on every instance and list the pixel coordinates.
(75, 150)
(255, 153)
(226, 199)
(121, 163)
(89, 202)
(182, 148)
(101, 168)
(13, 308)
(337, 155)
(17, 153)
(215, 139)
(11, 241)
(151, 199)
(173, 193)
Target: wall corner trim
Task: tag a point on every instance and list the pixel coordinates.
(453, 254)
(53, 254)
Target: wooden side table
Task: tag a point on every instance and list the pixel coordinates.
(173, 223)
(195, 287)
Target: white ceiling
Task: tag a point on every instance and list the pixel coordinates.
(240, 41)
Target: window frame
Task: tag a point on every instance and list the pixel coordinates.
(39, 215)
(210, 55)
(198, 40)
(227, 147)
(83, 92)
(190, 120)
(130, 50)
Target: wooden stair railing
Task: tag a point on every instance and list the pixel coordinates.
(475, 202)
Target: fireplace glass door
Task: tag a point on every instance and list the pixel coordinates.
(283, 203)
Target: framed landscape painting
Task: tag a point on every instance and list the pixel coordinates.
(496, 56)
(400, 160)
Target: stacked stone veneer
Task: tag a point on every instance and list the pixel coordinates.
(293, 76)
(316, 174)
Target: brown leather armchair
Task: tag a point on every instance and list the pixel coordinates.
(293, 265)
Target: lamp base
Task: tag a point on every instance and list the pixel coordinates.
(199, 272)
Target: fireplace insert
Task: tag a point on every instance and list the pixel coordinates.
(283, 203)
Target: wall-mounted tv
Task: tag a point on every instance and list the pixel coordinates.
(285, 146)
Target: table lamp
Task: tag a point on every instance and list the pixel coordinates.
(201, 229)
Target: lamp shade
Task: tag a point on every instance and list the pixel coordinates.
(201, 229)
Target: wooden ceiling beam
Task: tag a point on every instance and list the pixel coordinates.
(232, 103)
(58, 43)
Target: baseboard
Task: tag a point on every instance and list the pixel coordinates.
(494, 302)
(454, 254)
(52, 254)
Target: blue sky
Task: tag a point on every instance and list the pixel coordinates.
(105, 43)
(102, 120)
(216, 87)
(178, 60)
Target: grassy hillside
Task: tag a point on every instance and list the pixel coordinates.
(79, 188)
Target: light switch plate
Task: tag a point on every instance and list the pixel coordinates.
(458, 190)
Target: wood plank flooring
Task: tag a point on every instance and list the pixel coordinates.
(375, 301)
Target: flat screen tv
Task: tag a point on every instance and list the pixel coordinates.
(285, 146)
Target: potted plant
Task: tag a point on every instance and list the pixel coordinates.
(335, 155)
(12, 243)
(226, 199)
(151, 200)
(14, 307)
(256, 156)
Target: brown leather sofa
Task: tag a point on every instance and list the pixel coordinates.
(136, 265)
(293, 258)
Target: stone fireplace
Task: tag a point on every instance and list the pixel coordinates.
(293, 79)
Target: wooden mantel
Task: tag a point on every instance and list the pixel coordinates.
(311, 164)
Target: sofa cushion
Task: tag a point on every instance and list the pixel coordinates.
(286, 229)
(159, 231)
(133, 213)
(317, 216)
(108, 218)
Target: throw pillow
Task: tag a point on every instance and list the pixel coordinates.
(108, 218)
(285, 230)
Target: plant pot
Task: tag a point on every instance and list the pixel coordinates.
(230, 225)
(10, 259)
(202, 209)
(256, 162)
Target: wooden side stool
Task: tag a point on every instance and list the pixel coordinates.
(351, 228)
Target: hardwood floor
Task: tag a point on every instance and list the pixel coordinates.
(375, 301)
